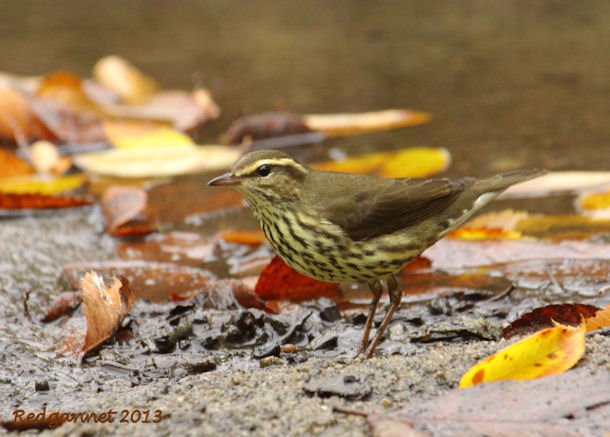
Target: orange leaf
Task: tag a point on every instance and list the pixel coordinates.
(600, 320)
(39, 201)
(280, 282)
(17, 117)
(566, 314)
(11, 165)
(121, 204)
(126, 80)
(252, 237)
(547, 352)
(65, 303)
(595, 205)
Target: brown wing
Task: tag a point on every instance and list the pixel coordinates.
(386, 208)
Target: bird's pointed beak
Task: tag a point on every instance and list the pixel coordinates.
(225, 179)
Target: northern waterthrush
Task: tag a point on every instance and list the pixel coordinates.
(343, 227)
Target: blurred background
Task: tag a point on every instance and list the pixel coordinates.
(509, 83)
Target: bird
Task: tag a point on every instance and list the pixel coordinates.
(346, 228)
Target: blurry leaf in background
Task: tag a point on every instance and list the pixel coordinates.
(66, 89)
(34, 184)
(557, 182)
(547, 352)
(127, 134)
(45, 157)
(410, 162)
(63, 304)
(157, 162)
(567, 314)
(17, 118)
(124, 79)
(252, 237)
(29, 202)
(265, 125)
(596, 205)
(357, 123)
(11, 165)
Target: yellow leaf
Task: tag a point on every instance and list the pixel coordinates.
(547, 352)
(349, 124)
(411, 162)
(144, 135)
(157, 162)
(596, 205)
(34, 184)
(600, 320)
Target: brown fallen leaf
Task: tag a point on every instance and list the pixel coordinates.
(11, 165)
(104, 307)
(567, 314)
(63, 305)
(575, 403)
(17, 118)
(125, 211)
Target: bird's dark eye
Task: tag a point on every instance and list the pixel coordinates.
(263, 170)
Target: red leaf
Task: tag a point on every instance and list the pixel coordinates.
(40, 201)
(543, 317)
(280, 282)
(64, 304)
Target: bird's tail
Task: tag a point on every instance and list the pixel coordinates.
(500, 182)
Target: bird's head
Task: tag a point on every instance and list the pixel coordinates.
(265, 176)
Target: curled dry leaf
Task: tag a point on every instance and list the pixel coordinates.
(567, 314)
(125, 79)
(104, 307)
(280, 282)
(159, 162)
(410, 162)
(547, 352)
(559, 182)
(350, 124)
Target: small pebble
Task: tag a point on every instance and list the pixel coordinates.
(41, 385)
(288, 348)
(386, 403)
(271, 361)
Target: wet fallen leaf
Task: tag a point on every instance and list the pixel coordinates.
(252, 237)
(153, 281)
(566, 314)
(356, 123)
(158, 162)
(125, 211)
(105, 307)
(562, 227)
(575, 403)
(124, 79)
(596, 205)
(34, 184)
(411, 162)
(9, 201)
(127, 134)
(559, 182)
(453, 253)
(547, 352)
(600, 320)
(490, 226)
(280, 282)
(63, 305)
(179, 247)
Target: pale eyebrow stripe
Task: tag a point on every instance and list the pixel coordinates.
(281, 162)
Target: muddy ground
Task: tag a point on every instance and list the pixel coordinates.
(206, 371)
